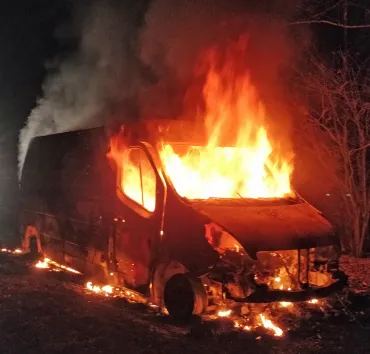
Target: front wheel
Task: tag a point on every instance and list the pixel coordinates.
(184, 297)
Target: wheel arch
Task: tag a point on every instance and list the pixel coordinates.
(31, 232)
(163, 271)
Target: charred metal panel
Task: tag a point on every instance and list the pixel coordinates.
(184, 235)
(271, 228)
(67, 183)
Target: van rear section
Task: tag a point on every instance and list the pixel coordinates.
(66, 189)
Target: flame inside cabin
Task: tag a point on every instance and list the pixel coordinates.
(248, 165)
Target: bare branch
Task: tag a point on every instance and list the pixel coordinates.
(360, 148)
(338, 101)
(336, 24)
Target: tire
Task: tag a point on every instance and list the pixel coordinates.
(184, 297)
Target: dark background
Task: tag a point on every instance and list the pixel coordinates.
(28, 40)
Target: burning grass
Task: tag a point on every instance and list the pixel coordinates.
(13, 251)
(254, 318)
(48, 263)
(91, 322)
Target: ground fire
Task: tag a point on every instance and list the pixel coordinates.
(243, 323)
(48, 263)
(14, 251)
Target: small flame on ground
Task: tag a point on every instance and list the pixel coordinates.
(47, 263)
(269, 325)
(285, 303)
(109, 290)
(313, 301)
(16, 251)
(106, 289)
(266, 323)
(224, 313)
(67, 268)
(245, 327)
(43, 264)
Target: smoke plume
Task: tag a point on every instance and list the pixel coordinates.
(125, 67)
(83, 89)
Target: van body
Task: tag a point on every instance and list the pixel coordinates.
(188, 255)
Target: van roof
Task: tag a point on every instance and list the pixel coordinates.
(72, 132)
(153, 130)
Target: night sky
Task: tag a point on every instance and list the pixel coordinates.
(28, 40)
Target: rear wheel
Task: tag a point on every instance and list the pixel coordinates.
(184, 297)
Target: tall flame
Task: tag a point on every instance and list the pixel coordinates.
(249, 166)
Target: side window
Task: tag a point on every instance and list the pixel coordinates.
(138, 178)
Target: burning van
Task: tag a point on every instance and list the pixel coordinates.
(148, 210)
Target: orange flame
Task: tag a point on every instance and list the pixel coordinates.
(16, 251)
(244, 327)
(106, 289)
(137, 178)
(313, 301)
(250, 166)
(269, 325)
(43, 264)
(47, 263)
(224, 313)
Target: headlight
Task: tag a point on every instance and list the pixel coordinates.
(222, 241)
(229, 249)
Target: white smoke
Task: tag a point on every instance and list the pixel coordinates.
(100, 75)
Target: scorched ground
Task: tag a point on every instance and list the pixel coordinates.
(51, 312)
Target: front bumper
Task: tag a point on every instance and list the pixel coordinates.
(263, 295)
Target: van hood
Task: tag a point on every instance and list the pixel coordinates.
(271, 228)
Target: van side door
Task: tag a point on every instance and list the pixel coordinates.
(140, 200)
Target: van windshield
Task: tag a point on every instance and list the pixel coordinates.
(227, 172)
